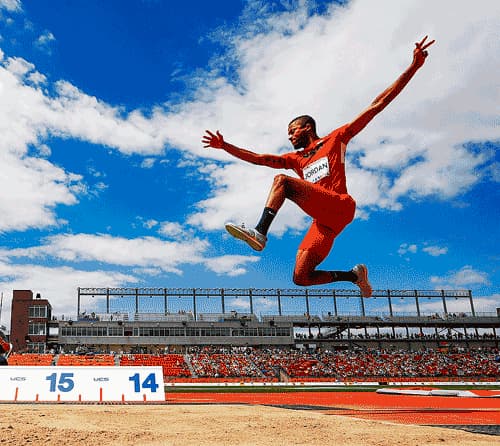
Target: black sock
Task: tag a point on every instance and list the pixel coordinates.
(265, 221)
(343, 276)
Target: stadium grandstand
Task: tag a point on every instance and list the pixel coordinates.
(263, 335)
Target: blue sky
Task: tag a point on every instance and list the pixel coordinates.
(104, 181)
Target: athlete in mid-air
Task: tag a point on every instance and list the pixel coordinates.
(321, 190)
(5, 349)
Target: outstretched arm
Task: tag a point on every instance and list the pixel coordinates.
(216, 141)
(382, 100)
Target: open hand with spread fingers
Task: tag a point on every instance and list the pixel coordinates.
(216, 141)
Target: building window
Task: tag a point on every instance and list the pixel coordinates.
(35, 329)
(38, 311)
(36, 347)
(115, 331)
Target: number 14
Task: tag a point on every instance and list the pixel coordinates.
(148, 383)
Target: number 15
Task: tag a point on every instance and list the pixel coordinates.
(65, 383)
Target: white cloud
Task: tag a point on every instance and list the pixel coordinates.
(144, 256)
(151, 223)
(435, 251)
(29, 114)
(413, 248)
(44, 150)
(172, 230)
(482, 305)
(487, 304)
(148, 271)
(142, 252)
(11, 5)
(44, 40)
(238, 304)
(466, 276)
(63, 295)
(18, 66)
(406, 248)
(148, 163)
(239, 195)
(30, 188)
(230, 265)
(265, 305)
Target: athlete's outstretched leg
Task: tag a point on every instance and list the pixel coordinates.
(306, 274)
(313, 249)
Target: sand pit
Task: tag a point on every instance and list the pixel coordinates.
(213, 424)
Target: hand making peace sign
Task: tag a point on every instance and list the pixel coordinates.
(419, 53)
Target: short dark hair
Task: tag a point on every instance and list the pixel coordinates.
(305, 119)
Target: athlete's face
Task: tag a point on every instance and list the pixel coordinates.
(298, 134)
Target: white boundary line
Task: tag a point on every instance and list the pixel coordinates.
(335, 384)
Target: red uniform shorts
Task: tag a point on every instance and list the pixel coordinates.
(331, 212)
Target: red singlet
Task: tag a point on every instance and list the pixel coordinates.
(322, 166)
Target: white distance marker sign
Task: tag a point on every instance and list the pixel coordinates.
(80, 384)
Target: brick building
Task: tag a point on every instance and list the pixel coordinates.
(29, 321)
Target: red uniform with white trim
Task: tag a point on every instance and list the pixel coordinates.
(322, 165)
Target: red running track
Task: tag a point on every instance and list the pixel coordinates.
(405, 409)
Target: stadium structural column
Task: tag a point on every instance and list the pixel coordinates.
(250, 298)
(165, 301)
(363, 312)
(349, 340)
(443, 297)
(194, 304)
(416, 303)
(136, 300)
(335, 311)
(107, 300)
(78, 303)
(469, 292)
(223, 305)
(279, 301)
(389, 300)
(307, 303)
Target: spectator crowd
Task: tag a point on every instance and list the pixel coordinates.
(280, 364)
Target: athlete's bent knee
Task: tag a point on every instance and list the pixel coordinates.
(280, 180)
(285, 184)
(301, 279)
